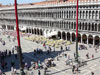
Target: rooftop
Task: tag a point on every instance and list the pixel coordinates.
(48, 2)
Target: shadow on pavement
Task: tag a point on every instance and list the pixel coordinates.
(28, 57)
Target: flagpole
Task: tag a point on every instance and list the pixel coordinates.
(18, 39)
(77, 32)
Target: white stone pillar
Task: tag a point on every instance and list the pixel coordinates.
(87, 41)
(81, 40)
(93, 41)
(6, 27)
(90, 27)
(26, 30)
(31, 30)
(71, 37)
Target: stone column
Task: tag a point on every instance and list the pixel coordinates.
(93, 41)
(6, 27)
(26, 30)
(99, 41)
(87, 41)
(70, 37)
(81, 40)
(90, 27)
(31, 30)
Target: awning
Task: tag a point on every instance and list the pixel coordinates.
(22, 29)
(50, 34)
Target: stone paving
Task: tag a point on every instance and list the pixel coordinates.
(61, 67)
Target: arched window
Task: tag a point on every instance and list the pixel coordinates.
(96, 15)
(95, 27)
(83, 14)
(99, 27)
(74, 25)
(89, 27)
(80, 14)
(93, 14)
(92, 27)
(85, 26)
(86, 14)
(74, 14)
(82, 26)
(89, 14)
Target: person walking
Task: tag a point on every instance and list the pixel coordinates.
(96, 50)
(39, 73)
(16, 56)
(87, 55)
(92, 73)
(32, 73)
(73, 69)
(92, 56)
(12, 63)
(0, 72)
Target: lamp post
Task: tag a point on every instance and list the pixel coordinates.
(18, 39)
(77, 32)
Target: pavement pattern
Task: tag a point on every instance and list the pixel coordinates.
(61, 67)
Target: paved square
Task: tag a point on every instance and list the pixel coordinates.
(93, 64)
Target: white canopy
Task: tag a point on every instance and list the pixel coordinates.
(24, 28)
(50, 34)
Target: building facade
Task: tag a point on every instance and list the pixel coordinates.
(57, 16)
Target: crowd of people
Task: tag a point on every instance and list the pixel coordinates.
(4, 54)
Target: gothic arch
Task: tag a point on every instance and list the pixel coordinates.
(90, 39)
(79, 37)
(35, 31)
(41, 32)
(73, 37)
(63, 35)
(32, 31)
(84, 38)
(97, 40)
(68, 36)
(59, 34)
(27, 30)
(92, 26)
(85, 26)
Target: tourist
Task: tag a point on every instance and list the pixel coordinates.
(16, 56)
(32, 73)
(54, 49)
(92, 56)
(15, 71)
(13, 51)
(87, 55)
(3, 64)
(74, 54)
(66, 48)
(73, 69)
(12, 63)
(9, 53)
(26, 66)
(0, 72)
(96, 50)
(92, 73)
(68, 57)
(61, 48)
(39, 73)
